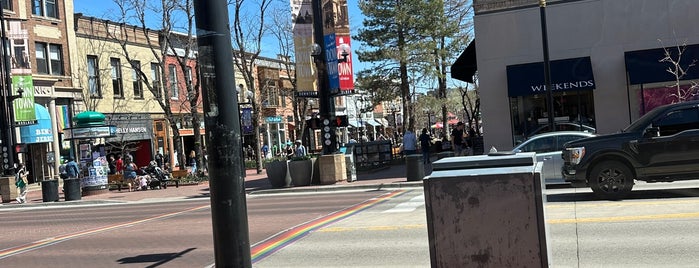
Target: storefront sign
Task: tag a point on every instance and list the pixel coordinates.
(273, 119)
(89, 132)
(566, 75)
(39, 132)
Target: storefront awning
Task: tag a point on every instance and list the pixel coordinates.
(566, 75)
(39, 132)
(465, 65)
(644, 66)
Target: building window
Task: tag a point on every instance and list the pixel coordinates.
(54, 64)
(116, 78)
(172, 73)
(136, 78)
(45, 8)
(93, 77)
(272, 93)
(188, 77)
(155, 78)
(7, 4)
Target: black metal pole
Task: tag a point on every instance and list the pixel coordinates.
(222, 118)
(547, 67)
(8, 142)
(326, 102)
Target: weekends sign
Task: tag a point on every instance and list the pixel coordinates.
(566, 75)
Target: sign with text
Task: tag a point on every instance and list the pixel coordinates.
(23, 107)
(344, 68)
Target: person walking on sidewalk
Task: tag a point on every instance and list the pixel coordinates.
(425, 140)
(21, 183)
(409, 143)
(72, 171)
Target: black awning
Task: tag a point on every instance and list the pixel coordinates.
(566, 75)
(465, 65)
(644, 66)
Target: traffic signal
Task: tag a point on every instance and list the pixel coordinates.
(341, 121)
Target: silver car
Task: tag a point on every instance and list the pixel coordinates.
(548, 148)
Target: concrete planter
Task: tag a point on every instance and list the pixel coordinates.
(301, 172)
(276, 174)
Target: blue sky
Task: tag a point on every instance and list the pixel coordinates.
(106, 8)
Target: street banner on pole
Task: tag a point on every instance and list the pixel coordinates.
(23, 107)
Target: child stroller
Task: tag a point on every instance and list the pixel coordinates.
(158, 177)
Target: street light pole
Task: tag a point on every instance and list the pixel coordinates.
(547, 67)
(8, 132)
(226, 167)
(326, 103)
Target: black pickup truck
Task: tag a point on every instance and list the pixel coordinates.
(661, 146)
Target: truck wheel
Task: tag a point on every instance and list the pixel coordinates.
(611, 180)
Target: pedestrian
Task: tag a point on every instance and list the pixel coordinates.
(130, 175)
(21, 183)
(62, 170)
(289, 151)
(119, 165)
(300, 150)
(193, 161)
(112, 165)
(265, 149)
(159, 159)
(457, 139)
(425, 140)
(409, 143)
(72, 171)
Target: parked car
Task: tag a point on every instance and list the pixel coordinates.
(548, 148)
(661, 146)
(563, 126)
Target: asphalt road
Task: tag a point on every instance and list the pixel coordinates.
(167, 234)
(655, 227)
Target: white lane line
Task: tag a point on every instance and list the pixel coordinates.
(408, 206)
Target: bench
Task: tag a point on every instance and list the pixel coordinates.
(176, 175)
(116, 180)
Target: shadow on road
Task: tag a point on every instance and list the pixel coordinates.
(157, 259)
(634, 195)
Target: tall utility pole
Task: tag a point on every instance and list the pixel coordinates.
(547, 66)
(7, 148)
(326, 101)
(222, 118)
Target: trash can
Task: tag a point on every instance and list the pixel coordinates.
(486, 211)
(71, 189)
(351, 170)
(49, 190)
(414, 167)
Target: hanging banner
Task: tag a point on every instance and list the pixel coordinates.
(344, 68)
(246, 119)
(302, 23)
(23, 107)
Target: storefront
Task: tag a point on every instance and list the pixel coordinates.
(36, 146)
(134, 135)
(572, 82)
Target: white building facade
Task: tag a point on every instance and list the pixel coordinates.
(605, 58)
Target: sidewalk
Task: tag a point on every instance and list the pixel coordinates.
(391, 177)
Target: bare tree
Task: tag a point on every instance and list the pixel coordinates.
(282, 29)
(162, 44)
(247, 32)
(679, 68)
